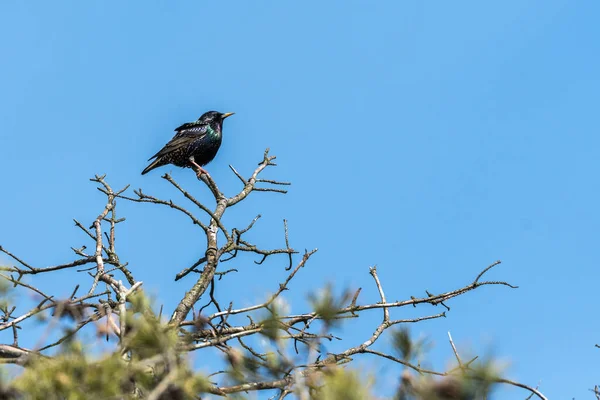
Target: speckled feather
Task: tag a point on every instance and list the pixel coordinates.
(199, 140)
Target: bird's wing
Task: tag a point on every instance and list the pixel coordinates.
(185, 134)
(195, 126)
(187, 125)
(191, 129)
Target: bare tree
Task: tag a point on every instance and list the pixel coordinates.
(148, 358)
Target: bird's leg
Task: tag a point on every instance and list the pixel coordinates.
(199, 169)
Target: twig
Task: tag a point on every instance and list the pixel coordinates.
(163, 385)
(23, 263)
(386, 312)
(282, 287)
(486, 270)
(190, 269)
(455, 351)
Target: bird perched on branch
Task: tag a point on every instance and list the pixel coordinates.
(194, 145)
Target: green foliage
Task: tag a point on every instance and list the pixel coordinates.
(74, 376)
(341, 384)
(407, 348)
(5, 298)
(71, 375)
(466, 383)
(270, 326)
(146, 335)
(149, 361)
(328, 306)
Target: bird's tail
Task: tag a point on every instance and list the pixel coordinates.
(155, 164)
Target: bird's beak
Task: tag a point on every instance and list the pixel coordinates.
(226, 115)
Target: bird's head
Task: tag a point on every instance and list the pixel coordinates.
(214, 117)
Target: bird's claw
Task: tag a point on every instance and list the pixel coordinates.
(201, 171)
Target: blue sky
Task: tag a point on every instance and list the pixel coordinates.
(428, 138)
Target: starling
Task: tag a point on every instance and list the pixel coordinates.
(194, 145)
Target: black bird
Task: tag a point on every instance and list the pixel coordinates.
(194, 145)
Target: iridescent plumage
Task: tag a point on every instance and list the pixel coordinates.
(194, 145)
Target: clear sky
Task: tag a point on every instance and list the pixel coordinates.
(430, 139)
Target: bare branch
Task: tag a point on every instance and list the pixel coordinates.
(190, 269)
(282, 287)
(522, 386)
(198, 204)
(455, 351)
(261, 367)
(405, 363)
(250, 184)
(486, 270)
(386, 312)
(240, 177)
(23, 263)
(144, 198)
